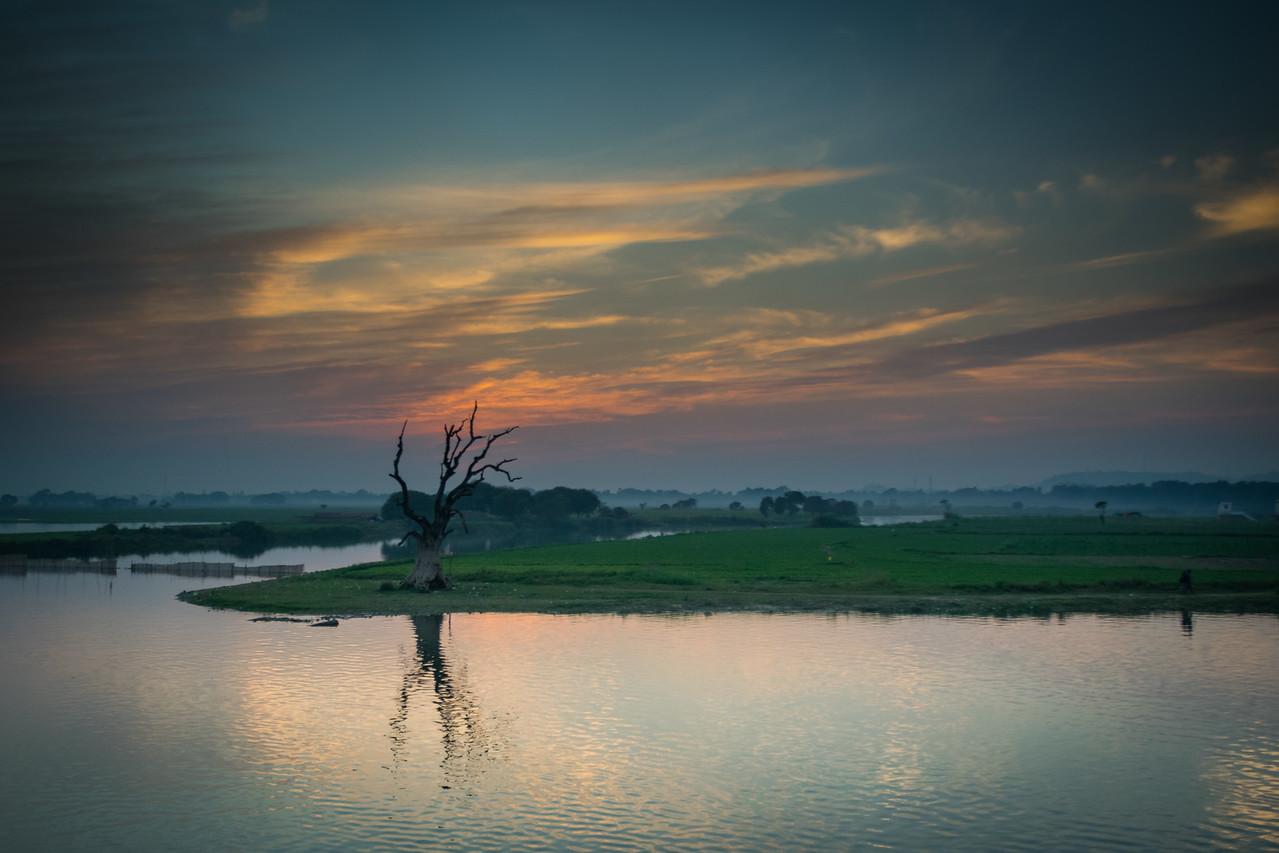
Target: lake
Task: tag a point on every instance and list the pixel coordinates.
(133, 721)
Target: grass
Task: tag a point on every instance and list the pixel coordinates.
(1006, 565)
(243, 538)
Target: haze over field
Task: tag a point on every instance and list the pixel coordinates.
(717, 246)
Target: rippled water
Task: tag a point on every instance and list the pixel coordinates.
(135, 722)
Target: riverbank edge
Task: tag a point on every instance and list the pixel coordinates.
(620, 601)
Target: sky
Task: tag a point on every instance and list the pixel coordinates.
(708, 245)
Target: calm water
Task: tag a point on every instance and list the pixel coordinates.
(131, 721)
(881, 520)
(314, 558)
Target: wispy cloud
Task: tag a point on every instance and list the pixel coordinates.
(857, 241)
(595, 195)
(797, 341)
(325, 245)
(1086, 334)
(1254, 210)
(1125, 259)
(427, 238)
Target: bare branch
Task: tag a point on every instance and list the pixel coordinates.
(463, 465)
(406, 504)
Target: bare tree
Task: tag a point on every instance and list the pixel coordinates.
(1100, 506)
(462, 466)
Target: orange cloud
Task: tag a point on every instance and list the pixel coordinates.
(456, 237)
(922, 321)
(1255, 210)
(858, 241)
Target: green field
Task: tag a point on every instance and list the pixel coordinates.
(241, 531)
(968, 566)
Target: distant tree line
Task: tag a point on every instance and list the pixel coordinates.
(792, 502)
(1256, 497)
(549, 505)
(61, 500)
(1174, 493)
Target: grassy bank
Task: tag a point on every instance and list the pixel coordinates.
(156, 514)
(970, 566)
(241, 538)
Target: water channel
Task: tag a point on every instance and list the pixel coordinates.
(134, 721)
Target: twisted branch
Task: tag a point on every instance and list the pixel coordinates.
(460, 441)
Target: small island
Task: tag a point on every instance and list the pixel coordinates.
(979, 566)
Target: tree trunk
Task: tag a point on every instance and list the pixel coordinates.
(427, 573)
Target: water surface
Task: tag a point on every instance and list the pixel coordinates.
(136, 722)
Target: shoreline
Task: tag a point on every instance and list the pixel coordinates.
(586, 603)
(986, 567)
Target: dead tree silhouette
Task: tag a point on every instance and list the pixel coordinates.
(463, 466)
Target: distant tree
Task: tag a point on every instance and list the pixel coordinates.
(8, 500)
(686, 503)
(789, 503)
(509, 503)
(562, 502)
(1100, 506)
(814, 504)
(844, 509)
(868, 505)
(766, 506)
(250, 537)
(392, 508)
(735, 506)
(45, 497)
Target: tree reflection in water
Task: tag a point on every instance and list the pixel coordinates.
(465, 739)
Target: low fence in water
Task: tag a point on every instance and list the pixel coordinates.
(214, 570)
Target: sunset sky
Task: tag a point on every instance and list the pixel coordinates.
(687, 245)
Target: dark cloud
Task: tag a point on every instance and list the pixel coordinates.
(1118, 329)
(113, 156)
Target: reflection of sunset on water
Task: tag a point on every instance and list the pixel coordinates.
(505, 730)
